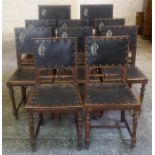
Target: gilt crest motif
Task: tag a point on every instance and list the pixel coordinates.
(94, 48)
(101, 25)
(22, 37)
(43, 12)
(64, 35)
(109, 33)
(85, 12)
(41, 49)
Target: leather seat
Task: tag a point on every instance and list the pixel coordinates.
(109, 94)
(135, 74)
(55, 95)
(22, 75)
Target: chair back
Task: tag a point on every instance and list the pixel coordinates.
(102, 22)
(24, 37)
(91, 12)
(65, 23)
(54, 53)
(79, 32)
(131, 31)
(54, 12)
(106, 53)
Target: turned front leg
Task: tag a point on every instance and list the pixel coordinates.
(79, 130)
(134, 127)
(12, 98)
(87, 130)
(32, 131)
(23, 93)
(41, 118)
(142, 92)
(122, 115)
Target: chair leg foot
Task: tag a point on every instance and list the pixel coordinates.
(32, 133)
(142, 93)
(41, 118)
(133, 144)
(134, 127)
(79, 129)
(23, 93)
(12, 97)
(87, 130)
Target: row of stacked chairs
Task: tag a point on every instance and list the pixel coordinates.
(55, 49)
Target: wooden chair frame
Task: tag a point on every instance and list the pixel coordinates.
(24, 84)
(39, 80)
(89, 108)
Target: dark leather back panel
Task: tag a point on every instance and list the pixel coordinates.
(102, 22)
(73, 23)
(131, 31)
(24, 37)
(54, 52)
(79, 32)
(54, 12)
(96, 11)
(107, 50)
(40, 23)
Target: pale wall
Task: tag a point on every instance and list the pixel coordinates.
(16, 11)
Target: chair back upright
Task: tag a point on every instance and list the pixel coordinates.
(106, 53)
(23, 38)
(131, 31)
(91, 12)
(55, 53)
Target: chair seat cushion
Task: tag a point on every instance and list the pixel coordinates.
(22, 75)
(56, 95)
(109, 94)
(134, 73)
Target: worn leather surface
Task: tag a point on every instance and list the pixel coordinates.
(55, 52)
(56, 95)
(131, 31)
(134, 73)
(40, 23)
(109, 94)
(24, 37)
(79, 32)
(96, 11)
(54, 12)
(22, 75)
(107, 51)
(72, 23)
(102, 22)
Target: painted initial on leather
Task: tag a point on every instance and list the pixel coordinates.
(43, 12)
(22, 37)
(94, 48)
(109, 33)
(85, 12)
(41, 49)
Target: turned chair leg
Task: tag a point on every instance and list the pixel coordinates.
(130, 85)
(32, 132)
(12, 97)
(122, 115)
(142, 92)
(79, 130)
(134, 128)
(41, 119)
(87, 130)
(23, 93)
